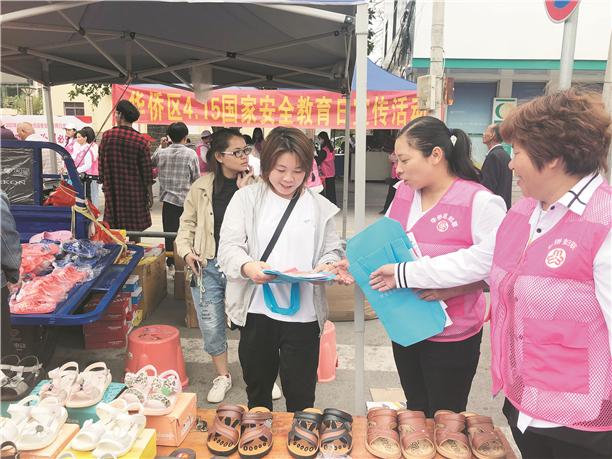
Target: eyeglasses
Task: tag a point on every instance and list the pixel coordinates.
(239, 153)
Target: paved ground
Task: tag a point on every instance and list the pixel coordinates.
(379, 366)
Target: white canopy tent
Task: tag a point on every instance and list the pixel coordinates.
(314, 44)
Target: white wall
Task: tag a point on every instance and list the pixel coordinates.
(521, 29)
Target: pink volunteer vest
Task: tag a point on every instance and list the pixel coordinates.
(549, 340)
(80, 157)
(328, 166)
(446, 228)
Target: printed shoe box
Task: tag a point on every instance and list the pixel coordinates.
(109, 330)
(131, 284)
(114, 344)
(144, 448)
(116, 309)
(66, 433)
(174, 427)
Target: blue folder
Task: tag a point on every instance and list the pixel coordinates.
(407, 318)
(282, 278)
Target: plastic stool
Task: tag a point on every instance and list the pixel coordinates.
(157, 345)
(328, 356)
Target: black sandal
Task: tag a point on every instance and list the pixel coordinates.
(303, 439)
(18, 380)
(8, 450)
(336, 433)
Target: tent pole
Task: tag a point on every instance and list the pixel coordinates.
(48, 107)
(38, 10)
(312, 12)
(347, 158)
(361, 63)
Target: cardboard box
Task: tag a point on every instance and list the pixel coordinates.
(136, 297)
(80, 415)
(115, 310)
(191, 318)
(174, 427)
(67, 432)
(151, 272)
(341, 302)
(179, 276)
(106, 331)
(93, 343)
(144, 448)
(131, 284)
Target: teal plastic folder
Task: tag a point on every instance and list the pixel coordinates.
(407, 318)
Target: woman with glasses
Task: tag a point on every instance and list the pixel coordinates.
(198, 239)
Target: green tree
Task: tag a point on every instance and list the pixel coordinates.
(371, 16)
(93, 92)
(19, 103)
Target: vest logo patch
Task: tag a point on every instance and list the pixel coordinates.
(442, 226)
(444, 222)
(555, 258)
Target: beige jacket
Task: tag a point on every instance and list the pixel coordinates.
(197, 225)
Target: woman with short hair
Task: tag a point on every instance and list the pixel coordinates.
(551, 309)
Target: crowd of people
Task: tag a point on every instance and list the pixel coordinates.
(546, 259)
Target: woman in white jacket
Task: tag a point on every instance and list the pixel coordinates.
(272, 338)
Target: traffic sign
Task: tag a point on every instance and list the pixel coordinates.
(560, 10)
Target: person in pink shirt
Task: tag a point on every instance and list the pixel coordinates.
(328, 166)
(453, 220)
(551, 306)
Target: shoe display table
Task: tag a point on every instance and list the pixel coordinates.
(280, 429)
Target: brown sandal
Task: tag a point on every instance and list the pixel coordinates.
(416, 439)
(256, 437)
(303, 439)
(450, 440)
(484, 440)
(382, 438)
(224, 435)
(336, 433)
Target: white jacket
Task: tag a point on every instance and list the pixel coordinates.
(238, 245)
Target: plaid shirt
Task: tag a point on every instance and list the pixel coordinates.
(125, 174)
(178, 169)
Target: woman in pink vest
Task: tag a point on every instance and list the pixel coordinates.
(328, 166)
(454, 220)
(85, 156)
(551, 311)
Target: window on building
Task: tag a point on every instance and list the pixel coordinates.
(524, 91)
(74, 108)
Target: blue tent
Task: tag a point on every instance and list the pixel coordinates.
(381, 80)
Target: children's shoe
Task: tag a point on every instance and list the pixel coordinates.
(221, 384)
(276, 392)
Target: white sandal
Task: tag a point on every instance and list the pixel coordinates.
(139, 385)
(20, 411)
(43, 425)
(88, 437)
(90, 386)
(122, 435)
(162, 397)
(62, 381)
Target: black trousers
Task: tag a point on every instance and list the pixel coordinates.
(8, 348)
(171, 216)
(330, 189)
(558, 442)
(437, 376)
(390, 194)
(267, 346)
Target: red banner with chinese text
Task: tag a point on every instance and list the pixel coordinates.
(268, 108)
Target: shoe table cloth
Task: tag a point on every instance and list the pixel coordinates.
(281, 425)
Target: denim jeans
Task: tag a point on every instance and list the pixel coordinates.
(210, 306)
